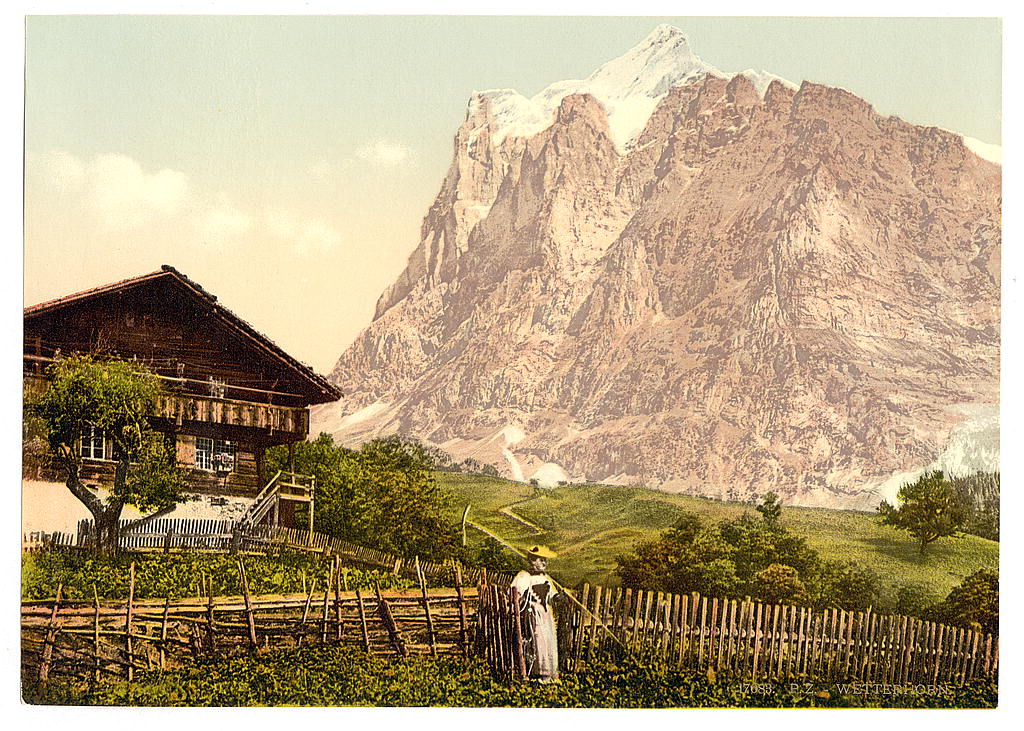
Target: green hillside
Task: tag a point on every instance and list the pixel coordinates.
(589, 525)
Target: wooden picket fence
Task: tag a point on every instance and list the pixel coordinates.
(100, 640)
(755, 640)
(36, 541)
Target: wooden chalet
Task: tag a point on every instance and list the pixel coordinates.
(231, 393)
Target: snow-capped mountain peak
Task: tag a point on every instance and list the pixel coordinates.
(629, 87)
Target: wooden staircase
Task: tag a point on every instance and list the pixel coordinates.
(282, 486)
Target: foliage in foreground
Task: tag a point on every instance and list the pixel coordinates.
(179, 575)
(332, 676)
(974, 603)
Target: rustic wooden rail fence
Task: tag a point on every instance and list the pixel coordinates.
(97, 640)
(751, 640)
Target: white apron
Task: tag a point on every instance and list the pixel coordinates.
(540, 644)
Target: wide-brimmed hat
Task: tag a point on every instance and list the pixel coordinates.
(542, 551)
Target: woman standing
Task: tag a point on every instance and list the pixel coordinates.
(536, 589)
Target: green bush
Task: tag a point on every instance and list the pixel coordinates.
(974, 603)
(178, 575)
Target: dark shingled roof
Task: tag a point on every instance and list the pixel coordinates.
(261, 341)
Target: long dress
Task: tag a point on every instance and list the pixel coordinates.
(540, 643)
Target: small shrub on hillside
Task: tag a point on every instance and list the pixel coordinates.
(843, 585)
(779, 584)
(912, 600)
(974, 603)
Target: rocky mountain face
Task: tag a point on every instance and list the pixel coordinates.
(761, 290)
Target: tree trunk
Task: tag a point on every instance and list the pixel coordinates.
(106, 516)
(108, 530)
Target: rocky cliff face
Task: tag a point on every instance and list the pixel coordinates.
(760, 290)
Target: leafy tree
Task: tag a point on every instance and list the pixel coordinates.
(719, 560)
(974, 603)
(689, 557)
(770, 507)
(383, 495)
(929, 509)
(398, 504)
(758, 543)
(116, 398)
(334, 469)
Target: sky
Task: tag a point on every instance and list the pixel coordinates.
(286, 163)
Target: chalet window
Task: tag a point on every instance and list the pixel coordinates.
(94, 445)
(215, 455)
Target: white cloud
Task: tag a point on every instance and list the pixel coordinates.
(115, 187)
(63, 171)
(125, 195)
(224, 222)
(112, 195)
(385, 153)
(302, 235)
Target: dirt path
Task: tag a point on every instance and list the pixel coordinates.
(506, 510)
(499, 539)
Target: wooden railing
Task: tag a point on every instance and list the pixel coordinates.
(282, 486)
(180, 408)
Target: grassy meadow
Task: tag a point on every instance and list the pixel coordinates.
(589, 525)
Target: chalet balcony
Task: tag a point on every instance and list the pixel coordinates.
(182, 408)
(229, 417)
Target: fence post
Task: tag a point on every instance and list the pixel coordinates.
(129, 611)
(362, 621)
(209, 617)
(48, 642)
(389, 624)
(463, 640)
(517, 634)
(96, 631)
(163, 634)
(250, 620)
(338, 626)
(426, 610)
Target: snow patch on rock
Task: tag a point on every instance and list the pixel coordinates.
(513, 464)
(550, 474)
(985, 150)
(973, 447)
(512, 434)
(363, 414)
